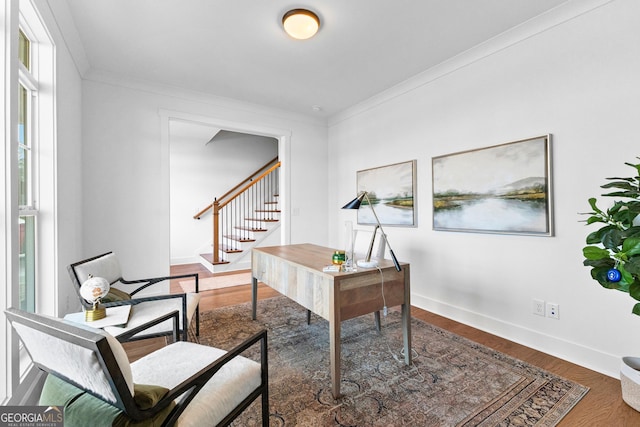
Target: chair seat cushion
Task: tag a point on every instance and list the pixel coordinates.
(151, 310)
(228, 387)
(82, 409)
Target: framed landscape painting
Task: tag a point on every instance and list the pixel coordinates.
(391, 190)
(499, 189)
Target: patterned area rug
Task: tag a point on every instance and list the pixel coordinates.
(453, 381)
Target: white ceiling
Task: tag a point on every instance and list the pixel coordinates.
(237, 48)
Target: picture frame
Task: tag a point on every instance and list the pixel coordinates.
(504, 189)
(392, 190)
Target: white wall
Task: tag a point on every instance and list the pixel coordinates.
(69, 179)
(126, 163)
(574, 76)
(199, 172)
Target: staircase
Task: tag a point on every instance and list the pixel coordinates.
(243, 218)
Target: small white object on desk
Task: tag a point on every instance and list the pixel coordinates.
(331, 269)
(118, 315)
(367, 264)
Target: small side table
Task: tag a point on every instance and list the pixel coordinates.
(117, 322)
(118, 315)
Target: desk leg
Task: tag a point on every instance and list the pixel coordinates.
(406, 332)
(334, 341)
(254, 297)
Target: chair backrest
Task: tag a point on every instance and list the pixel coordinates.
(86, 357)
(106, 266)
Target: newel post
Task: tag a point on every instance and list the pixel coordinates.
(216, 235)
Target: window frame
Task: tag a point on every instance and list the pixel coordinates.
(28, 261)
(24, 15)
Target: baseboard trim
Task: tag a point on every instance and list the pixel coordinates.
(185, 260)
(596, 360)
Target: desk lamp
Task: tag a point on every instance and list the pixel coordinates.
(367, 262)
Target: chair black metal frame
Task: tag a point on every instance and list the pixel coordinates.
(146, 283)
(97, 343)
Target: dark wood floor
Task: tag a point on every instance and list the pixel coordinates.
(601, 407)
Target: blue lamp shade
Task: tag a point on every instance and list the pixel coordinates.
(355, 203)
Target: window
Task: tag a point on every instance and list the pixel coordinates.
(27, 220)
(29, 216)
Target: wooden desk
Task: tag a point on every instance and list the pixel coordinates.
(296, 272)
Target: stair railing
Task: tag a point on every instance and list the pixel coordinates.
(243, 210)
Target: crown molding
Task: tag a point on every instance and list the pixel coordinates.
(550, 19)
(114, 79)
(62, 24)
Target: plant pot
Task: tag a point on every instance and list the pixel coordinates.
(630, 381)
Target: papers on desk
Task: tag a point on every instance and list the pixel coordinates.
(331, 269)
(116, 316)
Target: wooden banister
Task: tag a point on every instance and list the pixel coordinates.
(251, 184)
(249, 178)
(203, 211)
(242, 208)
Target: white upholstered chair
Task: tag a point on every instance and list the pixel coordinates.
(144, 308)
(182, 384)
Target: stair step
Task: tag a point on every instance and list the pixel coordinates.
(230, 250)
(270, 203)
(252, 229)
(209, 258)
(262, 219)
(239, 238)
(266, 210)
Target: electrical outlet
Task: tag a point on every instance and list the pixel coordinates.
(553, 310)
(538, 307)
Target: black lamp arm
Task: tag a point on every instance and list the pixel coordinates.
(384, 236)
(393, 257)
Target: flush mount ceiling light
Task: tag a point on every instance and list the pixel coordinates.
(301, 24)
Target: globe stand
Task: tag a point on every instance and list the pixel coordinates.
(96, 313)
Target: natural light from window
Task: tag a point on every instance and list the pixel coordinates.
(27, 211)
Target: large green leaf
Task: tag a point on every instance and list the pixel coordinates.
(627, 278)
(630, 194)
(593, 238)
(594, 252)
(631, 246)
(596, 236)
(632, 232)
(634, 290)
(611, 238)
(602, 262)
(594, 218)
(633, 205)
(592, 203)
(633, 266)
(627, 184)
(626, 178)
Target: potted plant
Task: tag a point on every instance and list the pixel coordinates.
(613, 253)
